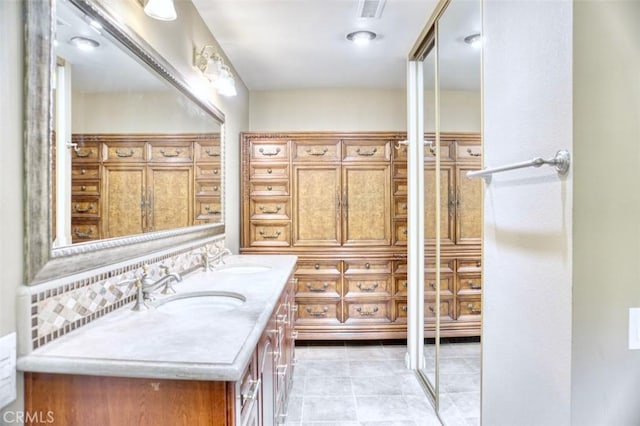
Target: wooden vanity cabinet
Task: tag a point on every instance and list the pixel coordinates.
(339, 201)
(259, 398)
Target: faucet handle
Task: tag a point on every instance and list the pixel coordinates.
(164, 269)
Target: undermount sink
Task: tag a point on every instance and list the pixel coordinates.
(244, 268)
(201, 303)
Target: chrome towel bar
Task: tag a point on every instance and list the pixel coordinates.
(561, 161)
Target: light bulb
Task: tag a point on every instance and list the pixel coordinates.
(163, 10)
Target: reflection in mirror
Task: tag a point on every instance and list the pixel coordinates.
(459, 112)
(132, 153)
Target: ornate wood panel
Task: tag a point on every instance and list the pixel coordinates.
(447, 205)
(125, 200)
(170, 195)
(469, 207)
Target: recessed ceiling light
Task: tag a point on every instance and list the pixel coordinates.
(361, 38)
(473, 40)
(84, 43)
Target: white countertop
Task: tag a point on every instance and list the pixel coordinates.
(182, 345)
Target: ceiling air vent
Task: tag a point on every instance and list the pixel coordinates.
(371, 9)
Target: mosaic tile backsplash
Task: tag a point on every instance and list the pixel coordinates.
(57, 311)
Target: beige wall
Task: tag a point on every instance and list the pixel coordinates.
(138, 112)
(355, 110)
(526, 341)
(606, 212)
(11, 224)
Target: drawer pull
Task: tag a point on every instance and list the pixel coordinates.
(404, 308)
(84, 154)
(272, 211)
(404, 206)
(269, 171)
(432, 309)
(269, 153)
(372, 287)
(83, 188)
(478, 264)
(367, 153)
(318, 314)
(215, 171)
(80, 234)
(124, 154)
(317, 266)
(432, 284)
(269, 188)
(432, 149)
(252, 394)
(270, 236)
(367, 312)
(216, 188)
(473, 309)
(79, 209)
(404, 232)
(83, 171)
(404, 284)
(473, 285)
(207, 208)
(473, 154)
(367, 266)
(321, 289)
(175, 153)
(317, 153)
(212, 153)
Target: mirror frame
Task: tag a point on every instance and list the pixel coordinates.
(42, 261)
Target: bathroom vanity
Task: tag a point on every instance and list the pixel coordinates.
(218, 352)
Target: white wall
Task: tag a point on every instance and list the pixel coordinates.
(11, 223)
(355, 110)
(176, 41)
(606, 212)
(526, 365)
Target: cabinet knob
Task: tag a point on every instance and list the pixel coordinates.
(317, 266)
(367, 266)
(83, 188)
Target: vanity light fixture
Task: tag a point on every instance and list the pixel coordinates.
(212, 66)
(162, 10)
(362, 38)
(474, 40)
(84, 43)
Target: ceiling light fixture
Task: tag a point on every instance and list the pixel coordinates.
(84, 43)
(163, 10)
(474, 40)
(212, 66)
(361, 38)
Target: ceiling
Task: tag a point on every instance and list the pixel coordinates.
(293, 44)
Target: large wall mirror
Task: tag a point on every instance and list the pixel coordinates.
(448, 114)
(122, 156)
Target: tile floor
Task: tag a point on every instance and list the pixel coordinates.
(356, 384)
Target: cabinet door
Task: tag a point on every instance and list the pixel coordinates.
(170, 197)
(266, 401)
(468, 207)
(366, 205)
(125, 200)
(447, 205)
(316, 209)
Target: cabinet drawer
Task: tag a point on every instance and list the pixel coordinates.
(269, 208)
(122, 152)
(270, 233)
(446, 284)
(210, 188)
(85, 152)
(400, 285)
(367, 311)
(469, 308)
(366, 150)
(312, 311)
(446, 310)
(317, 286)
(399, 187)
(321, 151)
(400, 207)
(209, 209)
(469, 265)
(367, 266)
(468, 151)
(84, 230)
(208, 152)
(88, 171)
(430, 152)
(359, 286)
(447, 266)
(274, 151)
(180, 152)
(265, 171)
(85, 187)
(247, 388)
(469, 284)
(265, 187)
(208, 171)
(328, 266)
(400, 233)
(83, 207)
(399, 170)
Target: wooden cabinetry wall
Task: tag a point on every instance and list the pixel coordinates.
(339, 202)
(126, 184)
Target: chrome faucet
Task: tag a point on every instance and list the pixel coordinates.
(209, 260)
(145, 286)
